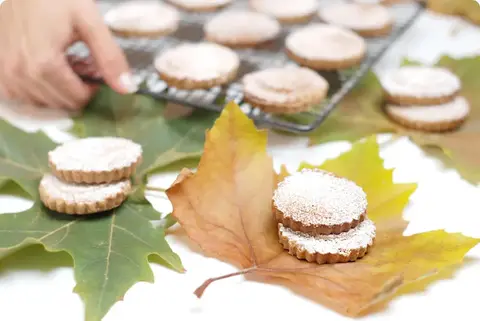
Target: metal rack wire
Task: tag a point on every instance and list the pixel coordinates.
(141, 52)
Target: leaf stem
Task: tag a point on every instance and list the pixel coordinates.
(201, 289)
(155, 189)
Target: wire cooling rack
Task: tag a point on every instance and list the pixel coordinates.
(140, 53)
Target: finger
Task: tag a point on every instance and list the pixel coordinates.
(35, 82)
(4, 94)
(109, 57)
(68, 85)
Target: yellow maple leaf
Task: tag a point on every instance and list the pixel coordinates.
(225, 207)
(469, 9)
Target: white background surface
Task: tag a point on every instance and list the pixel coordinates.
(443, 200)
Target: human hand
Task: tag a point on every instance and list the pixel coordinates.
(34, 35)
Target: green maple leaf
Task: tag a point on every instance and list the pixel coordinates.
(361, 115)
(111, 250)
(142, 119)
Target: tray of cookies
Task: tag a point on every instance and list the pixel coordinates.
(286, 63)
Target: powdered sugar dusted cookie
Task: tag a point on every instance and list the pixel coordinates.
(197, 66)
(71, 198)
(286, 11)
(200, 5)
(284, 90)
(325, 47)
(419, 85)
(435, 118)
(95, 160)
(318, 202)
(145, 18)
(336, 248)
(369, 20)
(241, 29)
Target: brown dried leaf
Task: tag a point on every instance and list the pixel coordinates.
(225, 208)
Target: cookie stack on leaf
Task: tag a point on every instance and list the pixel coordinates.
(322, 218)
(89, 175)
(425, 98)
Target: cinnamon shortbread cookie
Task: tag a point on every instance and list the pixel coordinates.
(285, 89)
(145, 18)
(433, 118)
(286, 11)
(197, 66)
(318, 202)
(241, 29)
(368, 20)
(80, 199)
(419, 85)
(200, 5)
(325, 47)
(348, 246)
(95, 160)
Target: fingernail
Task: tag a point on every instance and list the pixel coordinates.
(128, 83)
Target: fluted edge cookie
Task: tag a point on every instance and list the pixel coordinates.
(318, 202)
(200, 5)
(284, 90)
(81, 199)
(420, 85)
(197, 65)
(366, 19)
(241, 29)
(325, 47)
(286, 11)
(432, 118)
(348, 246)
(95, 160)
(145, 18)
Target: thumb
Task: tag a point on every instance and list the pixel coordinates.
(109, 57)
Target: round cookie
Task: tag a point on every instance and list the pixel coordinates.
(200, 5)
(419, 85)
(197, 66)
(368, 20)
(325, 47)
(318, 202)
(286, 11)
(146, 18)
(433, 118)
(95, 160)
(240, 29)
(348, 246)
(80, 199)
(284, 90)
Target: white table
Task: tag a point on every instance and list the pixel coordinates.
(443, 200)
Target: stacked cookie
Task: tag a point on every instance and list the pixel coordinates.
(322, 218)
(89, 175)
(425, 98)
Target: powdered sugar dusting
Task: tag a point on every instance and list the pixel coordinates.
(200, 4)
(146, 16)
(242, 26)
(81, 193)
(421, 82)
(95, 154)
(344, 243)
(286, 84)
(285, 8)
(356, 16)
(315, 197)
(457, 109)
(325, 42)
(202, 61)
